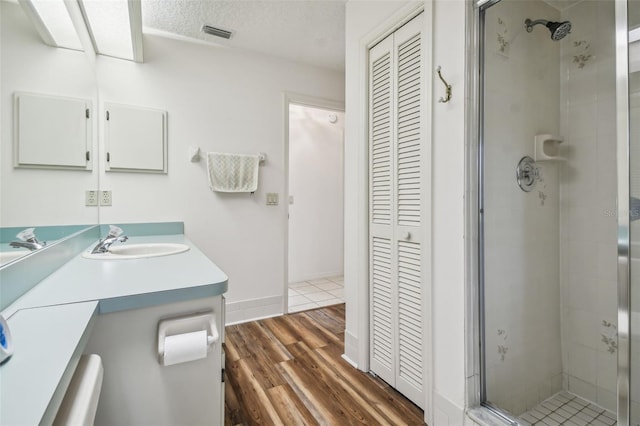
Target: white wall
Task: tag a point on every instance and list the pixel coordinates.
(316, 182)
(449, 214)
(29, 196)
(365, 20)
(220, 100)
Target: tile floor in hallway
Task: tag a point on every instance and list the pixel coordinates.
(316, 293)
(565, 408)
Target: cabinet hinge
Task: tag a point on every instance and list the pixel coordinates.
(88, 156)
(86, 113)
(108, 157)
(107, 115)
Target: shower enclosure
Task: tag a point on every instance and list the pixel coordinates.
(552, 233)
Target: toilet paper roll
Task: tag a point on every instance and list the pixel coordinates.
(185, 347)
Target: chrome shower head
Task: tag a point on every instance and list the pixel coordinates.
(559, 30)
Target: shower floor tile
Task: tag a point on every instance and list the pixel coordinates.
(567, 409)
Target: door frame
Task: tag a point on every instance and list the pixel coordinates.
(360, 344)
(291, 98)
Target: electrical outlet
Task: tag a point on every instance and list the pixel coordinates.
(90, 198)
(105, 198)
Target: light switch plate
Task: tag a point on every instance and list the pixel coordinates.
(272, 198)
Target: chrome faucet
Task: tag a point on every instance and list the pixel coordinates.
(28, 240)
(115, 234)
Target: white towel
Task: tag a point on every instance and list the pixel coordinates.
(233, 172)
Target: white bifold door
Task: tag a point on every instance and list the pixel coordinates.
(397, 228)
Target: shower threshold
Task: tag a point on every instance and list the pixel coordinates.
(565, 408)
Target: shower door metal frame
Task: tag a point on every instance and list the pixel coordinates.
(623, 211)
(482, 6)
(478, 131)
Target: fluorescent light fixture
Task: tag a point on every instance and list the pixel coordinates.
(114, 26)
(53, 23)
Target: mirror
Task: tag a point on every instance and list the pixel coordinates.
(48, 200)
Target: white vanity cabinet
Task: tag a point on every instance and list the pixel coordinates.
(113, 308)
(137, 389)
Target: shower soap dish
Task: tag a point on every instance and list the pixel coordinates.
(547, 148)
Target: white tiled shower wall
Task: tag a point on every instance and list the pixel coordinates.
(588, 202)
(522, 252)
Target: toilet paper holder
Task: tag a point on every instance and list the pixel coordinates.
(187, 324)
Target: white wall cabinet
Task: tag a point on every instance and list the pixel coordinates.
(52, 132)
(135, 139)
(397, 211)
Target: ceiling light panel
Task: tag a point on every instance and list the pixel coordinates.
(110, 27)
(55, 18)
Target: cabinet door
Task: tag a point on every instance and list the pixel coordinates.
(52, 132)
(136, 139)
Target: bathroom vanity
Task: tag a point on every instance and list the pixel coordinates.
(112, 308)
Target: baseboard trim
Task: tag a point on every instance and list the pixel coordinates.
(346, 358)
(253, 309)
(351, 348)
(446, 413)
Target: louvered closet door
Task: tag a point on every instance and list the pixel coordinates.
(381, 198)
(396, 210)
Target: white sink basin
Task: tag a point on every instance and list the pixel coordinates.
(138, 251)
(8, 256)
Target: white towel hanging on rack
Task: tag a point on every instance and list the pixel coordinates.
(233, 172)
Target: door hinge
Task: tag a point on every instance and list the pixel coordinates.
(108, 157)
(223, 375)
(86, 113)
(107, 115)
(88, 156)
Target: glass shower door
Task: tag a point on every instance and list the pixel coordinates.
(547, 210)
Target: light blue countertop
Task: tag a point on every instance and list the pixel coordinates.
(48, 343)
(50, 323)
(129, 283)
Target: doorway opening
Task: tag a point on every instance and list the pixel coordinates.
(315, 201)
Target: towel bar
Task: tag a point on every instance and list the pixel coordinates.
(194, 155)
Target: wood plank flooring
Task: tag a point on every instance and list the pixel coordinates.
(288, 370)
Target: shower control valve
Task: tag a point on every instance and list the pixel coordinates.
(527, 174)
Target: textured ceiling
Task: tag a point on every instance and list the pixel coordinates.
(307, 31)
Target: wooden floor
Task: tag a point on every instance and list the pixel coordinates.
(288, 370)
